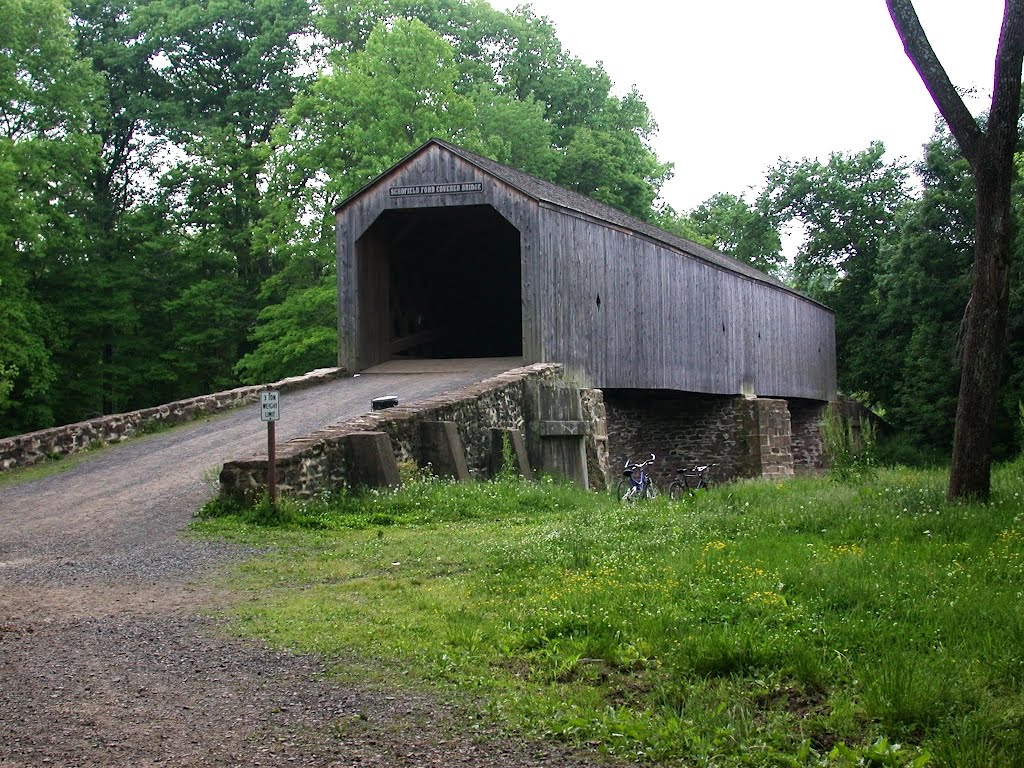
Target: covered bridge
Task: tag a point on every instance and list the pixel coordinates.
(450, 254)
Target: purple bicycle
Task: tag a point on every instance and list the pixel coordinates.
(636, 483)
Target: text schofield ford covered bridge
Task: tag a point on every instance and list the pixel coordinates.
(700, 357)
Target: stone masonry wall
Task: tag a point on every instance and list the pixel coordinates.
(597, 439)
(682, 429)
(314, 464)
(767, 433)
(745, 437)
(808, 450)
(23, 450)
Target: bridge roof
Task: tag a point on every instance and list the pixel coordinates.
(549, 192)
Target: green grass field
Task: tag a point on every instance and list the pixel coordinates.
(803, 623)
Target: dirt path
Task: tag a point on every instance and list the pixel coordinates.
(107, 656)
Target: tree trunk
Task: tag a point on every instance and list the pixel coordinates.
(984, 342)
(990, 153)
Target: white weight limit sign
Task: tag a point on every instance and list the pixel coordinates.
(270, 412)
(270, 405)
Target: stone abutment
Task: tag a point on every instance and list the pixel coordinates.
(744, 437)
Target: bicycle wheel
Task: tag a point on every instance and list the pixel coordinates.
(677, 490)
(624, 490)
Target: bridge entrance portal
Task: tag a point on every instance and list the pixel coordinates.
(439, 283)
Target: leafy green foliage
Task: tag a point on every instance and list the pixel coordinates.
(299, 334)
(851, 448)
(931, 257)
(45, 95)
(608, 158)
(731, 225)
(847, 209)
(809, 623)
(383, 101)
(515, 132)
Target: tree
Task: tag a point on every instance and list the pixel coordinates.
(847, 211)
(922, 284)
(46, 95)
(373, 108)
(738, 229)
(990, 151)
(90, 281)
(599, 145)
(230, 70)
(609, 160)
(515, 132)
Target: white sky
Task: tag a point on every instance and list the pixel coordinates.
(737, 84)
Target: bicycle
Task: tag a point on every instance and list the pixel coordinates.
(693, 479)
(636, 483)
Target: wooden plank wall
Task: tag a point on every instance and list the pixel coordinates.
(669, 321)
(359, 260)
(372, 323)
(664, 320)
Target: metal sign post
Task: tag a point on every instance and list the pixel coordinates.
(270, 412)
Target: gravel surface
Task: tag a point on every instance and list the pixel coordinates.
(108, 652)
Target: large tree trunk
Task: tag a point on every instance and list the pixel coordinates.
(984, 341)
(990, 153)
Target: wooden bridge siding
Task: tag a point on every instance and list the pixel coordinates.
(568, 265)
(592, 322)
(356, 262)
(347, 285)
(373, 327)
(669, 321)
(580, 268)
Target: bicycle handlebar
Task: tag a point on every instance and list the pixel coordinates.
(639, 465)
(699, 468)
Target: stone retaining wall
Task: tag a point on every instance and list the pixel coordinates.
(767, 432)
(682, 429)
(808, 449)
(744, 437)
(596, 441)
(316, 463)
(23, 450)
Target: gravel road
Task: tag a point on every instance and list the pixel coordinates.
(108, 653)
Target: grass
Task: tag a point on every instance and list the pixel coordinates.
(804, 623)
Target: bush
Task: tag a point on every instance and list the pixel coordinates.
(851, 449)
(897, 449)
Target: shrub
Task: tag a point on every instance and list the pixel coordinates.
(851, 448)
(898, 449)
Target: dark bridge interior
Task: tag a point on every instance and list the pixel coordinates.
(439, 283)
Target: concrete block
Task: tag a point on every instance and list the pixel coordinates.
(370, 460)
(442, 449)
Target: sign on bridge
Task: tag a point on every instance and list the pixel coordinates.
(270, 412)
(270, 402)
